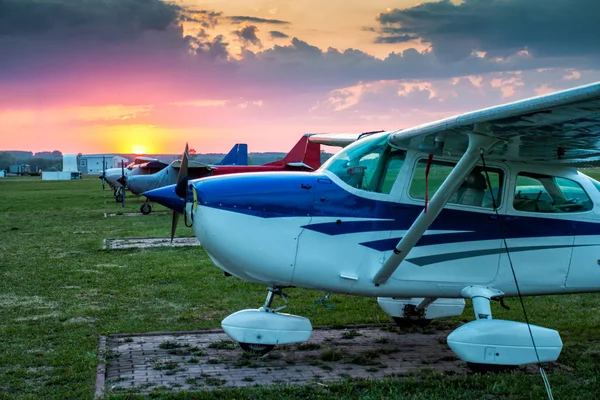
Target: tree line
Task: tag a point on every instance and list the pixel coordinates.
(35, 163)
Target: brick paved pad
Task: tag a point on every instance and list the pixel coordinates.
(203, 361)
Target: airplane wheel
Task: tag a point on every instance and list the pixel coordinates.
(409, 323)
(119, 198)
(489, 368)
(146, 208)
(257, 348)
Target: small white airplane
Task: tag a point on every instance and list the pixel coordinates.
(482, 206)
(140, 183)
(140, 165)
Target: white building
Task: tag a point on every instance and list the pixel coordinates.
(70, 170)
(92, 163)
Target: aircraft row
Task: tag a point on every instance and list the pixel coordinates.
(482, 206)
(147, 173)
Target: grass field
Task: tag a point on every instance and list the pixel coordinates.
(59, 291)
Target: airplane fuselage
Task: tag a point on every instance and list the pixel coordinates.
(318, 231)
(168, 176)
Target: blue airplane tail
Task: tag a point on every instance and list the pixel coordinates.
(238, 155)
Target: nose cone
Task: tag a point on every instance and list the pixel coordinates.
(167, 197)
(113, 179)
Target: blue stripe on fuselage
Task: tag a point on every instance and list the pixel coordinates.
(280, 195)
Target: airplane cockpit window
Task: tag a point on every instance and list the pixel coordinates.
(549, 194)
(370, 164)
(473, 191)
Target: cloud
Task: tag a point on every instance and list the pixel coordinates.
(500, 28)
(97, 20)
(247, 35)
(256, 20)
(394, 39)
(155, 62)
(207, 19)
(278, 35)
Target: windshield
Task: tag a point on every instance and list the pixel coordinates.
(369, 164)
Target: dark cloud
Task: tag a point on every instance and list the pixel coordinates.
(207, 19)
(155, 53)
(498, 27)
(247, 35)
(394, 39)
(256, 20)
(98, 20)
(278, 35)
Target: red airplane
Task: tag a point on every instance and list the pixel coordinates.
(304, 156)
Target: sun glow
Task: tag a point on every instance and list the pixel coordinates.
(138, 149)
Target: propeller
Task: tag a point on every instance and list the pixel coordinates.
(103, 176)
(181, 188)
(123, 180)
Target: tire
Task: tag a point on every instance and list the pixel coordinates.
(146, 208)
(257, 348)
(409, 323)
(119, 198)
(489, 368)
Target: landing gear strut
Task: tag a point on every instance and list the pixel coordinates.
(414, 315)
(259, 348)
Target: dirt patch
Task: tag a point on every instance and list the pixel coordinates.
(144, 243)
(134, 214)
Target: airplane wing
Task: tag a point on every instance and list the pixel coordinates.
(299, 165)
(153, 165)
(192, 165)
(338, 139)
(558, 128)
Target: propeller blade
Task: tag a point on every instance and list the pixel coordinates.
(174, 224)
(103, 172)
(181, 189)
(123, 178)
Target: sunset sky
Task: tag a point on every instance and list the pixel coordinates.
(148, 75)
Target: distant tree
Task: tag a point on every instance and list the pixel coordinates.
(6, 160)
(57, 154)
(44, 164)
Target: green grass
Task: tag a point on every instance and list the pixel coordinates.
(59, 291)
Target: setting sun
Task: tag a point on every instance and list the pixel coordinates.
(138, 149)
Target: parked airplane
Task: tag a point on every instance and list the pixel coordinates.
(140, 165)
(481, 206)
(304, 156)
(236, 158)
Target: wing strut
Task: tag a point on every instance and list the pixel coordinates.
(477, 144)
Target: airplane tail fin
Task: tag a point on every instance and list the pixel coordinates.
(303, 154)
(238, 155)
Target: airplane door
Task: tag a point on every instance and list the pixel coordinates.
(538, 257)
(539, 231)
(463, 244)
(584, 269)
